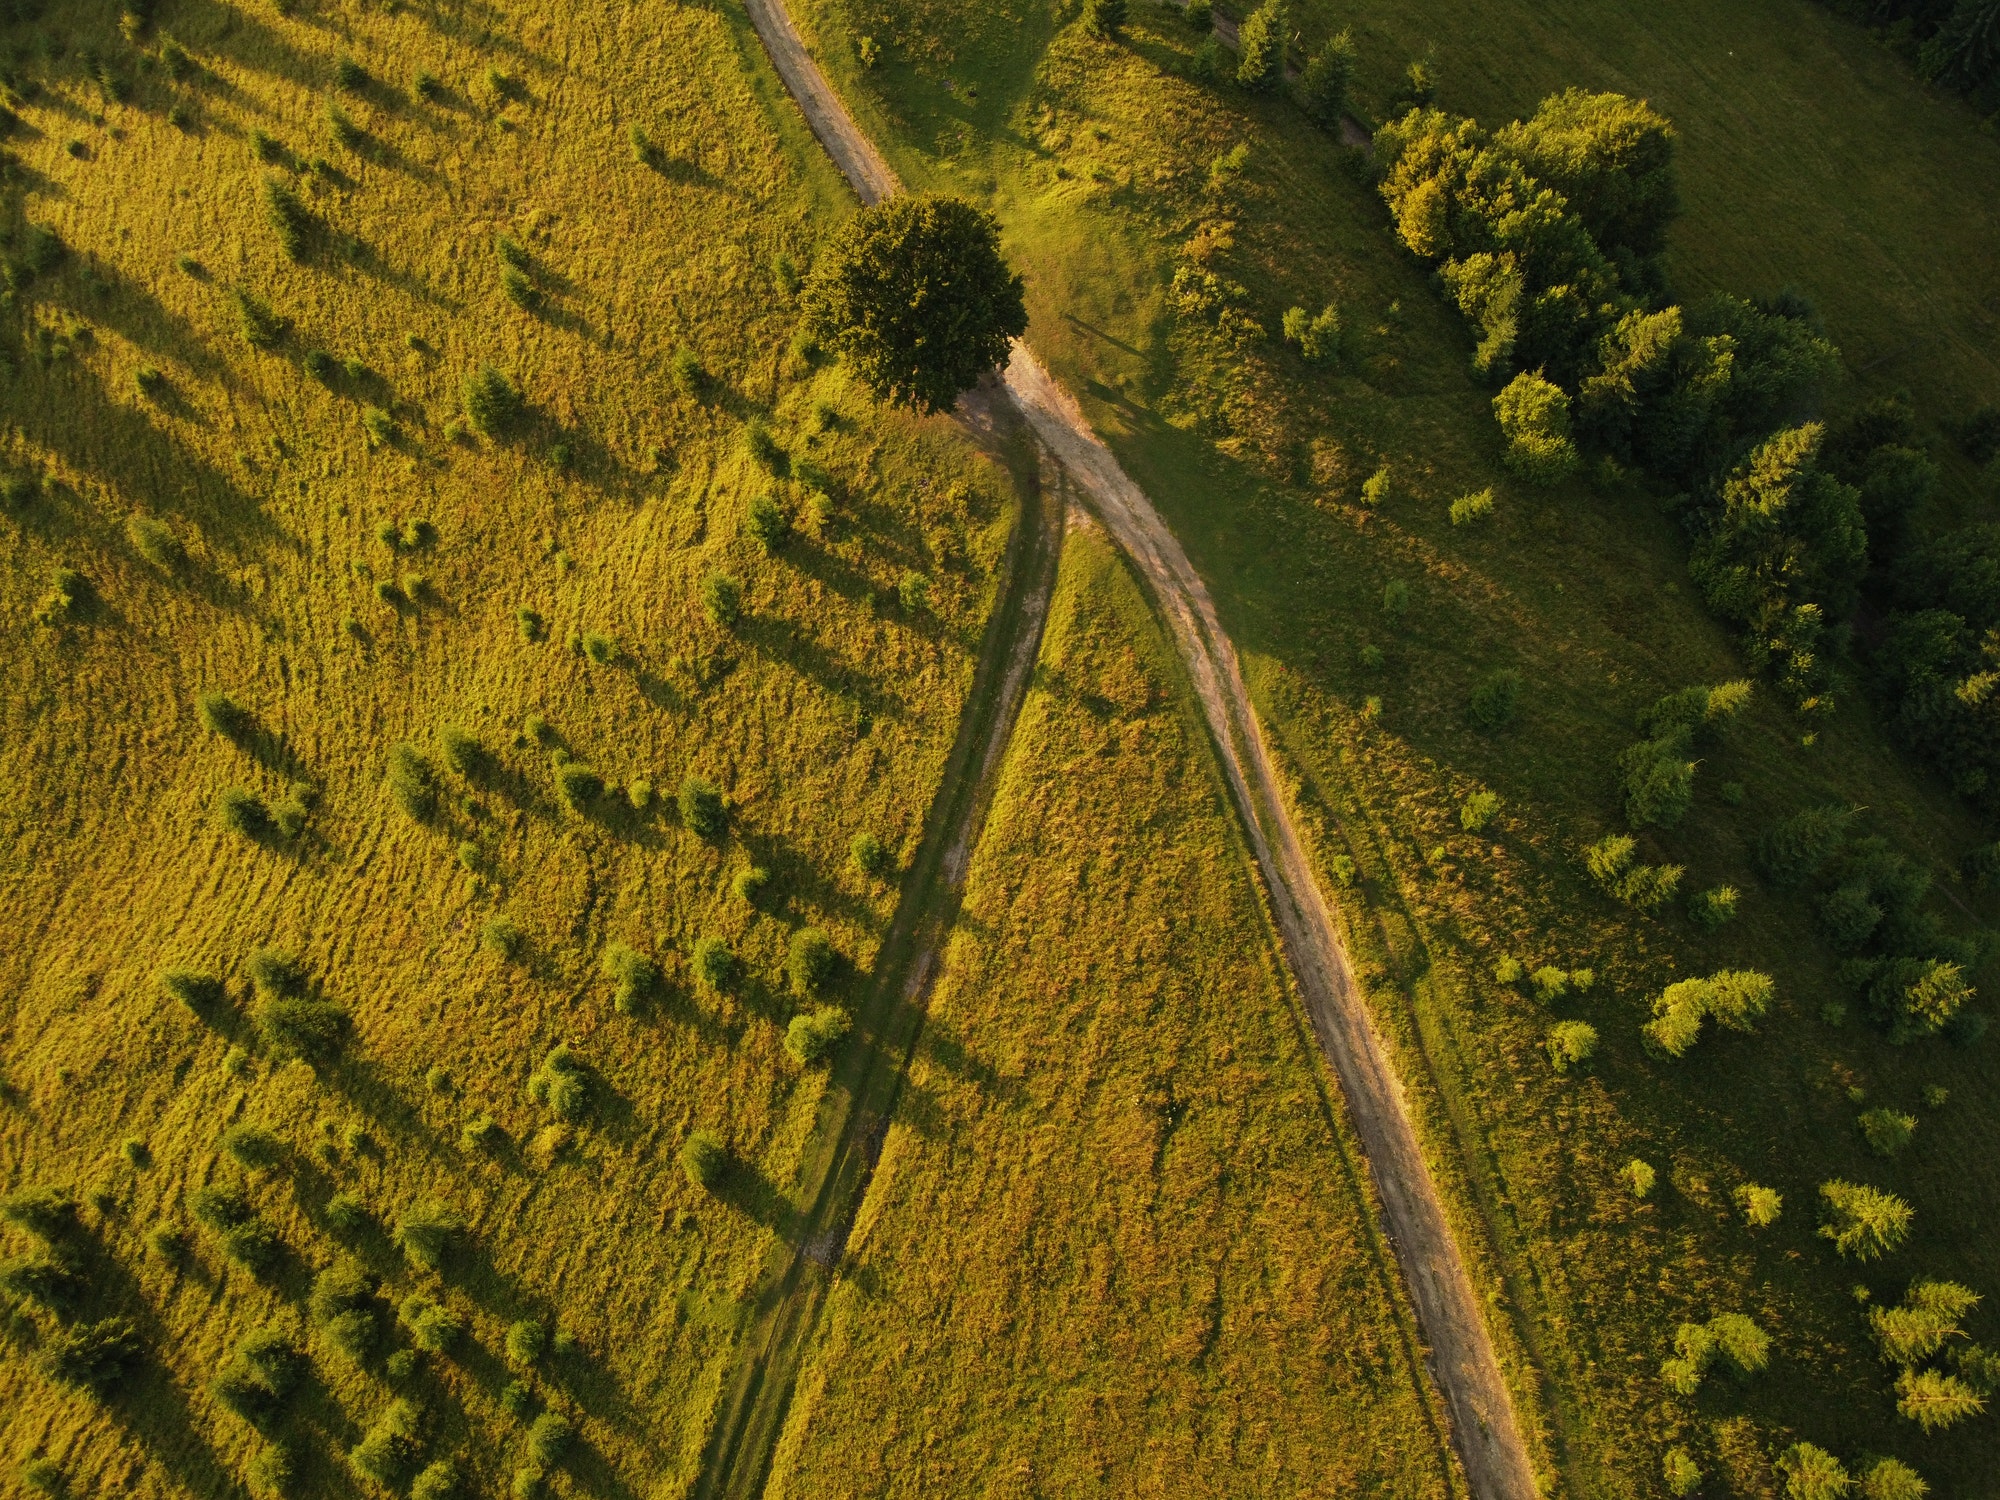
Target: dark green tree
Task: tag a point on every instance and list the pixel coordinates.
(915, 294)
(1327, 78)
(1260, 47)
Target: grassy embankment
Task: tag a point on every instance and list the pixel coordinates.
(828, 710)
(1118, 1237)
(1110, 172)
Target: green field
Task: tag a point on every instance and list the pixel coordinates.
(1112, 172)
(826, 711)
(1119, 1236)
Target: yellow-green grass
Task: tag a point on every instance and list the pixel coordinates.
(829, 710)
(1099, 161)
(1119, 1237)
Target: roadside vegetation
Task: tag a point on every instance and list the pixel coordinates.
(1155, 1265)
(454, 632)
(1673, 900)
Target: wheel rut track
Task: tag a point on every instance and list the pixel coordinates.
(1461, 1358)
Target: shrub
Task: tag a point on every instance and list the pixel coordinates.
(47, 1280)
(290, 220)
(703, 1158)
(412, 782)
(427, 1231)
(1534, 416)
(1508, 971)
(1795, 850)
(1317, 335)
(529, 1483)
(49, 1214)
(433, 1327)
(1550, 983)
(562, 1083)
(1926, 1320)
(549, 1437)
(155, 541)
(463, 752)
(1658, 781)
(530, 623)
(276, 971)
(388, 1449)
(701, 807)
(868, 854)
(639, 792)
(1863, 1222)
(257, 1378)
(1760, 1205)
(480, 1133)
(1813, 1474)
(1740, 1341)
(1476, 506)
(1711, 909)
(1735, 998)
(638, 978)
(243, 812)
(722, 599)
(714, 964)
(1260, 47)
(1640, 1177)
(761, 446)
(312, 1030)
(527, 1341)
(1104, 18)
(342, 1304)
(1680, 1473)
(349, 75)
(1496, 700)
(601, 649)
(94, 1357)
(913, 592)
(1374, 493)
(580, 787)
(1886, 1131)
(1571, 1043)
(1646, 887)
(498, 934)
(685, 370)
(45, 1477)
(253, 1146)
(810, 960)
(812, 1038)
(519, 290)
(493, 403)
(438, 1481)
(766, 524)
(749, 883)
(1478, 811)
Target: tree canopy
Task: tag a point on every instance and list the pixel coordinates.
(915, 294)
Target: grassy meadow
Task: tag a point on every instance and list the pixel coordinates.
(1119, 1235)
(1366, 628)
(356, 569)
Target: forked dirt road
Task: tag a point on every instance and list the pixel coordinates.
(1462, 1362)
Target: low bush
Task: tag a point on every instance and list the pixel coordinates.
(766, 524)
(389, 1449)
(703, 1158)
(1735, 998)
(94, 1357)
(463, 752)
(580, 787)
(290, 220)
(913, 592)
(1795, 850)
(263, 1371)
(527, 1342)
(155, 541)
(601, 649)
(1657, 777)
(243, 812)
(1886, 1131)
(1534, 417)
(714, 964)
(427, 1231)
(347, 1214)
(1317, 336)
(722, 599)
(562, 1083)
(49, 1281)
(684, 369)
(868, 854)
(1711, 909)
(439, 1480)
(342, 1306)
(749, 883)
(1571, 1044)
(812, 1038)
(1640, 1176)
(1496, 700)
(1645, 887)
(500, 935)
(549, 1437)
(1467, 509)
(1478, 811)
(493, 403)
(637, 977)
(701, 807)
(412, 782)
(433, 1327)
(253, 1147)
(276, 971)
(311, 1030)
(1760, 1206)
(809, 962)
(47, 1213)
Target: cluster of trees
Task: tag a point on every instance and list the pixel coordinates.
(93, 1356)
(1941, 1377)
(1657, 774)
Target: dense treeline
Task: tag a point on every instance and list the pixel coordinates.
(1953, 42)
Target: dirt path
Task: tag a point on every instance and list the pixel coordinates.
(1462, 1362)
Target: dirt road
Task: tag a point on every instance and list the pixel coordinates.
(1462, 1361)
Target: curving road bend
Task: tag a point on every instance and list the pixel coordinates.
(1461, 1357)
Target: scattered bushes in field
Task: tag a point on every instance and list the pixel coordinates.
(1478, 811)
(562, 1084)
(291, 221)
(263, 1371)
(810, 960)
(412, 782)
(94, 1357)
(722, 599)
(684, 369)
(342, 1306)
(493, 403)
(222, 715)
(243, 812)
(464, 753)
(1495, 701)
(69, 597)
(1317, 335)
(600, 648)
(812, 1038)
(701, 807)
(1570, 1044)
(427, 1231)
(155, 541)
(1863, 1222)
(637, 978)
(579, 786)
(1760, 1206)
(1646, 887)
(389, 1449)
(704, 1158)
(527, 1341)
(1733, 1339)
(1735, 998)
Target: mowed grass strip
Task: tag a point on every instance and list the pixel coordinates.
(1119, 1239)
(355, 568)
(1369, 621)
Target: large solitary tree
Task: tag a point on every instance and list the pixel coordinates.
(914, 293)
